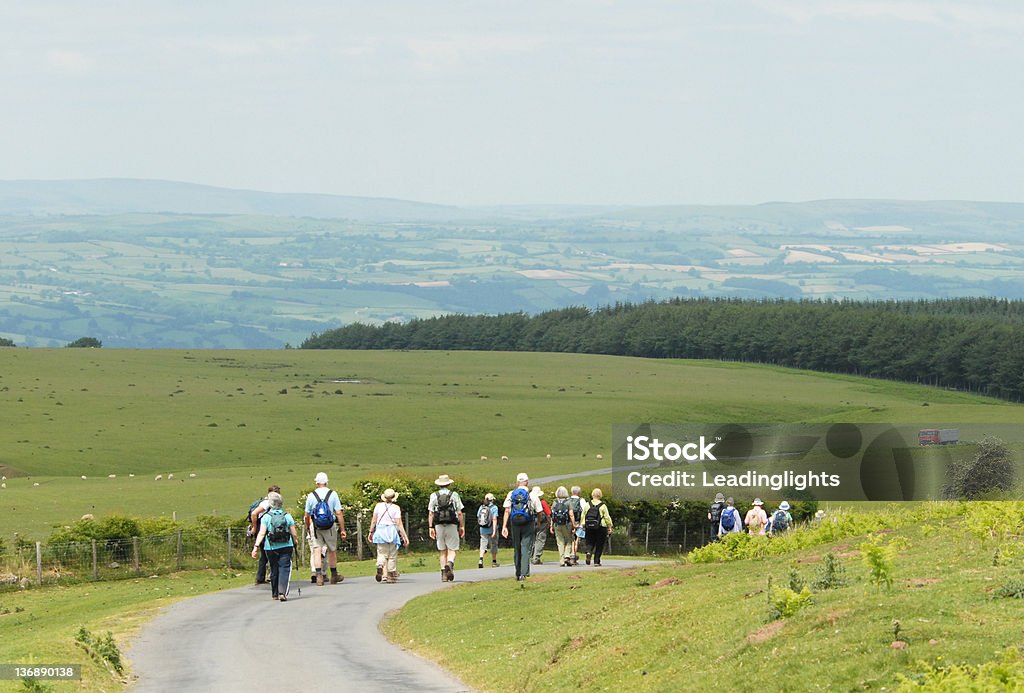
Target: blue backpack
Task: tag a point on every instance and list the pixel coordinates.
(521, 513)
(322, 515)
(728, 519)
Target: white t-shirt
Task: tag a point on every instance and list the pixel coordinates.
(387, 514)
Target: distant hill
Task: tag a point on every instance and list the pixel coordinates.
(124, 195)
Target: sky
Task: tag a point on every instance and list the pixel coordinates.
(484, 102)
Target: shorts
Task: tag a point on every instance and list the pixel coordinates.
(325, 538)
(447, 537)
(488, 541)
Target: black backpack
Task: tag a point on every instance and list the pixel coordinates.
(593, 517)
(560, 512)
(445, 513)
(716, 513)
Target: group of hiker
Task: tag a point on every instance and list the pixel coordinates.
(724, 518)
(524, 517)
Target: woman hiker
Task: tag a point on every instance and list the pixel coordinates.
(388, 533)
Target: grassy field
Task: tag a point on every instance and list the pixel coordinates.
(221, 415)
(680, 626)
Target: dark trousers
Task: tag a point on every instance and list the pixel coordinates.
(596, 539)
(523, 538)
(280, 562)
(261, 566)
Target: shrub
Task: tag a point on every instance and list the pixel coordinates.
(995, 519)
(1004, 674)
(1014, 589)
(991, 470)
(784, 602)
(830, 575)
(878, 558)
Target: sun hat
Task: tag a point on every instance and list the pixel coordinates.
(489, 497)
(758, 501)
(389, 494)
(536, 491)
(719, 498)
(443, 480)
(321, 478)
(276, 500)
(521, 477)
(784, 505)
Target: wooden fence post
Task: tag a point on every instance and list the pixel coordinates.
(135, 554)
(229, 548)
(178, 553)
(647, 539)
(39, 563)
(359, 537)
(95, 563)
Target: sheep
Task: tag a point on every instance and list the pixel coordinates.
(600, 456)
(170, 476)
(504, 458)
(192, 475)
(88, 516)
(36, 483)
(111, 476)
(158, 477)
(3, 484)
(131, 476)
(548, 456)
(483, 458)
(84, 477)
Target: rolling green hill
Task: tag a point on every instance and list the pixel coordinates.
(223, 416)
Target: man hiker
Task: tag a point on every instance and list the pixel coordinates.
(256, 511)
(730, 520)
(487, 518)
(325, 522)
(521, 510)
(715, 514)
(781, 520)
(576, 503)
(447, 524)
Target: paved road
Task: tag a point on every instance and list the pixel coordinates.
(326, 638)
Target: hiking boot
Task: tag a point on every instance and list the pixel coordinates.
(494, 564)
(588, 559)
(274, 597)
(537, 561)
(380, 572)
(283, 598)
(480, 564)
(393, 577)
(312, 579)
(261, 582)
(451, 571)
(336, 578)
(320, 578)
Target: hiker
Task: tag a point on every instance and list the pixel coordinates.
(756, 520)
(781, 520)
(563, 525)
(578, 532)
(326, 523)
(388, 533)
(256, 511)
(715, 514)
(487, 519)
(543, 525)
(314, 550)
(730, 521)
(521, 510)
(278, 538)
(597, 523)
(447, 524)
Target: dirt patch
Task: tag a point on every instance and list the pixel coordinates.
(666, 582)
(765, 633)
(576, 643)
(575, 577)
(922, 582)
(630, 573)
(836, 615)
(848, 554)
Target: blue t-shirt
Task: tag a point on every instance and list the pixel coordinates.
(318, 495)
(265, 521)
(488, 530)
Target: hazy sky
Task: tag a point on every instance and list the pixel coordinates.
(482, 102)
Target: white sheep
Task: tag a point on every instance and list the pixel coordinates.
(3, 484)
(548, 456)
(36, 484)
(504, 458)
(483, 458)
(192, 475)
(111, 476)
(131, 476)
(170, 476)
(158, 477)
(600, 456)
(84, 477)
(88, 516)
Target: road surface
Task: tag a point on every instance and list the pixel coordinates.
(326, 638)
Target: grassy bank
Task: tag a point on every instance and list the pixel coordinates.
(680, 626)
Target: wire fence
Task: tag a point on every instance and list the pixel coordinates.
(41, 563)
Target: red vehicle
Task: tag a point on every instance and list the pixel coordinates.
(938, 436)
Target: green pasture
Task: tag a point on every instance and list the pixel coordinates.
(221, 415)
(677, 626)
